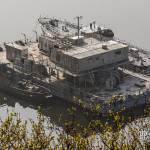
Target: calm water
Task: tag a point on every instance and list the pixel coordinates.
(53, 110)
(129, 20)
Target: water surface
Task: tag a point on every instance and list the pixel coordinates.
(128, 18)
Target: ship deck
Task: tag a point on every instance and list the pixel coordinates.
(130, 86)
(92, 46)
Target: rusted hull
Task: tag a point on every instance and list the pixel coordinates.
(9, 87)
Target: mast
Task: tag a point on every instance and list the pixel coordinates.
(78, 25)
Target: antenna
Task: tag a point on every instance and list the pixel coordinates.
(25, 37)
(78, 27)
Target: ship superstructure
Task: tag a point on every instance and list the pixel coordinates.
(77, 62)
(84, 54)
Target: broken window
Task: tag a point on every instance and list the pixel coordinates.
(118, 53)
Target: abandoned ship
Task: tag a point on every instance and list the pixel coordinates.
(77, 63)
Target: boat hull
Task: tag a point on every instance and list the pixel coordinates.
(7, 86)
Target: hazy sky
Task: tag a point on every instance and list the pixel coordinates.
(128, 18)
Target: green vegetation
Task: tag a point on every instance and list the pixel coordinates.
(116, 132)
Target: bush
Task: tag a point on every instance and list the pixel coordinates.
(112, 134)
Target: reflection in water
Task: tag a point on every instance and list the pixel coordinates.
(52, 110)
